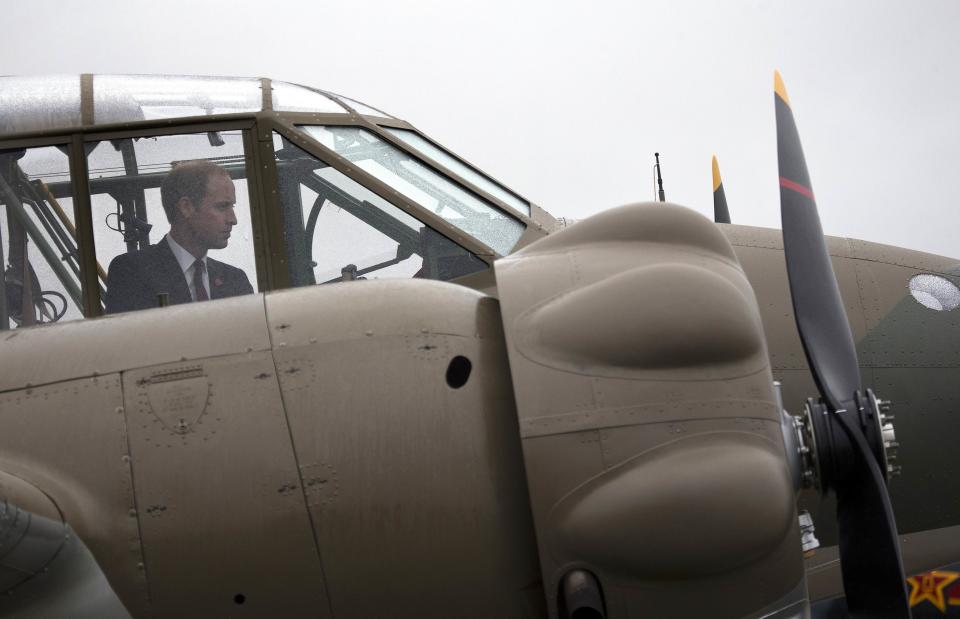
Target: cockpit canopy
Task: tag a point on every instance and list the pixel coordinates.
(37, 103)
(323, 188)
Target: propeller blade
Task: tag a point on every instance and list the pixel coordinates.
(720, 213)
(821, 319)
(874, 583)
(870, 560)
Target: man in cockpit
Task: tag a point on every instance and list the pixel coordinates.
(198, 198)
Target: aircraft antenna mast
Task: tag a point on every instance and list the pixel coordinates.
(656, 168)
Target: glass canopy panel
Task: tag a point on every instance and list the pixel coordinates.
(431, 190)
(338, 230)
(129, 181)
(128, 98)
(363, 108)
(458, 167)
(37, 103)
(289, 97)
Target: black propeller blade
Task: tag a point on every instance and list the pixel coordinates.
(819, 312)
(720, 213)
(848, 426)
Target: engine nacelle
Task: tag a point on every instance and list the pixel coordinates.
(650, 426)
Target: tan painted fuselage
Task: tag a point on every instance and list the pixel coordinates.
(308, 452)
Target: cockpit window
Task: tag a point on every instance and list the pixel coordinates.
(456, 166)
(295, 98)
(128, 98)
(38, 241)
(171, 219)
(431, 190)
(338, 230)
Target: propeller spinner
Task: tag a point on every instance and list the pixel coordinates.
(847, 435)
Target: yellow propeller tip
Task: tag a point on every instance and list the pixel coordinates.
(779, 88)
(716, 173)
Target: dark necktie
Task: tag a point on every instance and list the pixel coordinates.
(198, 269)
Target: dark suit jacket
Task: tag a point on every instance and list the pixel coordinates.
(135, 279)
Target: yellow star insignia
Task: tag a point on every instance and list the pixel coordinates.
(930, 586)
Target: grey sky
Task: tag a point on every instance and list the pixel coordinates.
(567, 101)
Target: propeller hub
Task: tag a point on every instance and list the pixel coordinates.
(808, 445)
(824, 449)
(878, 419)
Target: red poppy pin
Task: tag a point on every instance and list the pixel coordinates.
(217, 282)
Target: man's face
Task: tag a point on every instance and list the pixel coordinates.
(212, 219)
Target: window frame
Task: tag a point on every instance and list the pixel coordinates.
(369, 209)
(93, 304)
(46, 142)
(269, 245)
(286, 125)
(426, 180)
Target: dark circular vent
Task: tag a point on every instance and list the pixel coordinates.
(458, 372)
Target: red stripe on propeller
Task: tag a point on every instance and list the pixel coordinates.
(789, 184)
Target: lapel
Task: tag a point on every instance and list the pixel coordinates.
(168, 276)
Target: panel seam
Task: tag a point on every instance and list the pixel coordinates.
(296, 461)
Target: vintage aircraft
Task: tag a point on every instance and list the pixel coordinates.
(486, 413)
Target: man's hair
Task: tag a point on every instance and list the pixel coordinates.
(186, 179)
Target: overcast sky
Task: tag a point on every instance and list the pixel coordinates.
(566, 102)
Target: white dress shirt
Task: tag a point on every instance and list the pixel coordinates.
(186, 260)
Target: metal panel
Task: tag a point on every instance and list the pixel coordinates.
(416, 488)
(223, 516)
(119, 342)
(69, 441)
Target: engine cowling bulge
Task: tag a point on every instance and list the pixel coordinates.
(649, 423)
(696, 489)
